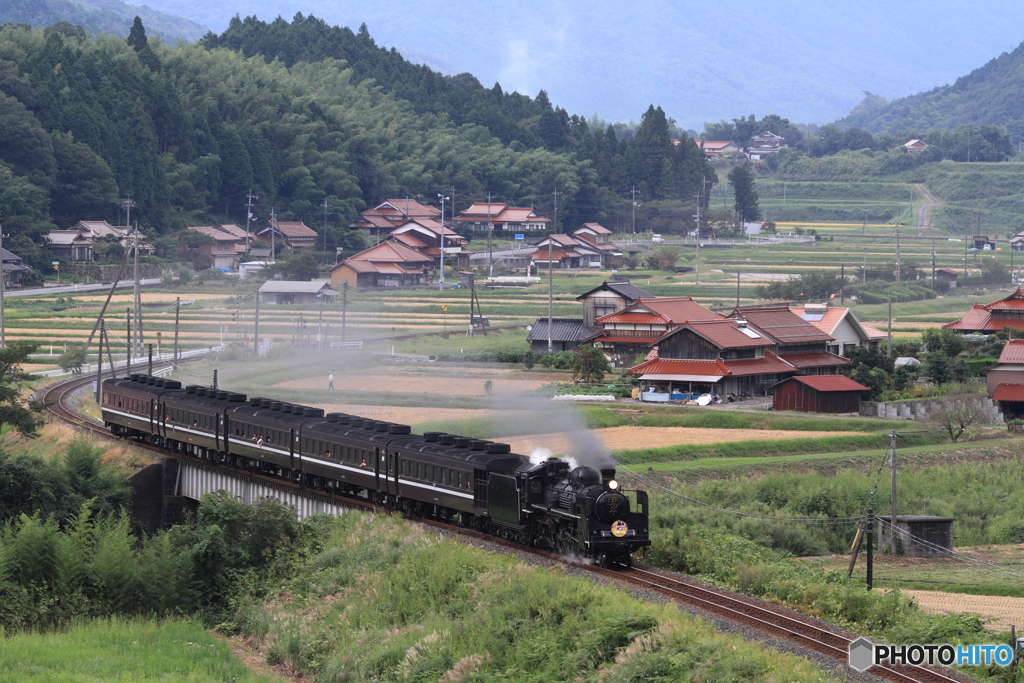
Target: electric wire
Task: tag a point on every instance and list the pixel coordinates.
(897, 532)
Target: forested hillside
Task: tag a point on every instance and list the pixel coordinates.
(98, 16)
(186, 134)
(990, 95)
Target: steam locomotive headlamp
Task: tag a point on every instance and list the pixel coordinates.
(613, 485)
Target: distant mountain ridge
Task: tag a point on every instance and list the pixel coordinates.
(804, 60)
(989, 95)
(102, 16)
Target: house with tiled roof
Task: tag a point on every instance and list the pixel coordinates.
(76, 243)
(289, 234)
(565, 253)
(765, 145)
(390, 214)
(717, 148)
(727, 356)
(426, 236)
(595, 240)
(609, 297)
(388, 264)
(797, 341)
(566, 334)
(630, 332)
(13, 268)
(993, 317)
(915, 145)
(497, 216)
(228, 245)
(842, 325)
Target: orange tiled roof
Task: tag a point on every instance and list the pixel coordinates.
(1013, 352)
(768, 364)
(1009, 392)
(726, 334)
(783, 324)
(671, 366)
(815, 359)
(980, 318)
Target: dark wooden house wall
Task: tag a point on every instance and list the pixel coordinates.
(687, 345)
(793, 395)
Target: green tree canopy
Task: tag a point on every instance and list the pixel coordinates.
(742, 180)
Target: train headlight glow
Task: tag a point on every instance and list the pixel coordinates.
(613, 485)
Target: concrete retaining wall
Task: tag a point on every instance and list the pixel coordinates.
(920, 410)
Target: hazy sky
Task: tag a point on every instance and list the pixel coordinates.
(808, 60)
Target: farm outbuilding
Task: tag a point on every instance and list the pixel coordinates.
(818, 394)
(917, 535)
(293, 292)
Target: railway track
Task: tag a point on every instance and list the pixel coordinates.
(765, 618)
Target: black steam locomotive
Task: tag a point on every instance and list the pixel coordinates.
(474, 483)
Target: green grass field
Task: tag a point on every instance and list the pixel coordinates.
(117, 650)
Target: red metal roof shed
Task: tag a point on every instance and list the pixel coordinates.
(818, 394)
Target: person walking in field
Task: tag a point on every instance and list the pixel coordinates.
(330, 381)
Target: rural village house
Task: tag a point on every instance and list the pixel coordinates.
(392, 213)
(501, 216)
(566, 334)
(988, 318)
(728, 357)
(609, 298)
(842, 325)
(291, 234)
(630, 332)
(229, 244)
(1005, 380)
(388, 264)
(764, 145)
(424, 235)
(797, 340)
(294, 292)
(77, 242)
(13, 268)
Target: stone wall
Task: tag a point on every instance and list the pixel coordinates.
(919, 410)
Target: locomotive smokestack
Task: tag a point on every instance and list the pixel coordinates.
(607, 476)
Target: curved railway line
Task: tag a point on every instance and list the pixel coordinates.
(763, 617)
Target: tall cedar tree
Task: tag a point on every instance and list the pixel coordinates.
(21, 415)
(742, 181)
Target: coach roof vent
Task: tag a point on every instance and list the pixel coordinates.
(275, 405)
(344, 419)
(134, 377)
(478, 444)
(150, 380)
(461, 442)
(222, 395)
(266, 403)
(191, 389)
(256, 401)
(172, 384)
(158, 382)
(286, 407)
(236, 398)
(382, 427)
(432, 437)
(313, 412)
(399, 429)
(332, 417)
(498, 448)
(200, 391)
(447, 439)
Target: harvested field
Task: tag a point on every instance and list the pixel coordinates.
(436, 379)
(622, 438)
(1001, 610)
(405, 415)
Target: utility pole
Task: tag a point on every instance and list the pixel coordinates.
(137, 290)
(551, 272)
(177, 316)
(633, 193)
(273, 234)
(440, 281)
(248, 219)
(320, 323)
(128, 342)
(3, 324)
(737, 289)
(326, 206)
(150, 359)
(869, 531)
(888, 351)
(490, 232)
(893, 548)
(99, 365)
(256, 329)
(933, 262)
(344, 305)
(842, 282)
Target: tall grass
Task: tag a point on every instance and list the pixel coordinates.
(142, 651)
(389, 601)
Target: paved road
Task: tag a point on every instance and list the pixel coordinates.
(79, 289)
(931, 202)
